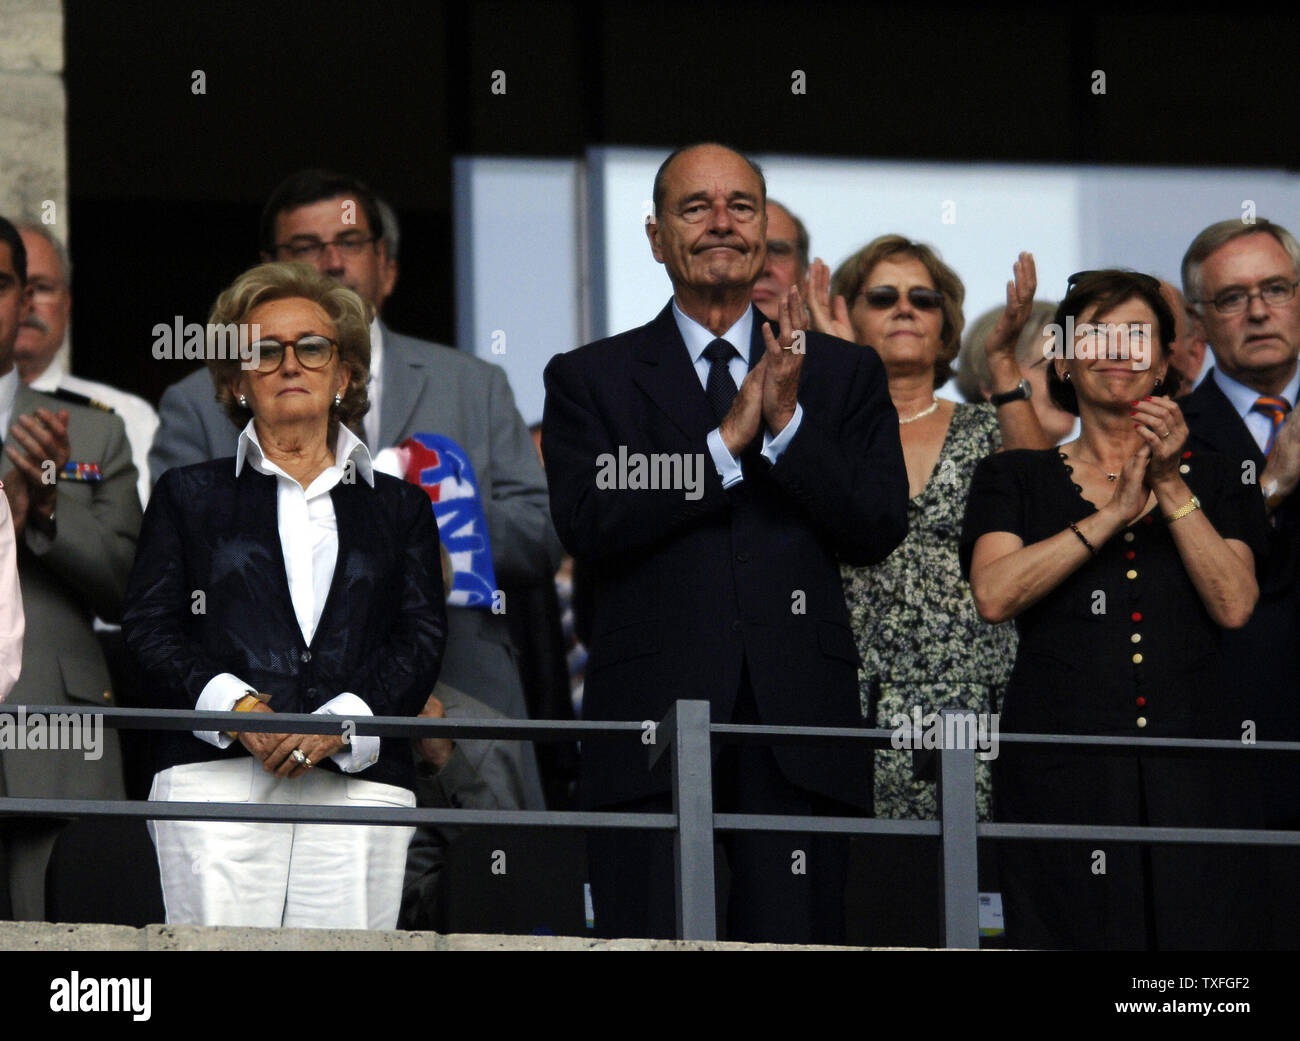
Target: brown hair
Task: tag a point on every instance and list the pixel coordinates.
(851, 276)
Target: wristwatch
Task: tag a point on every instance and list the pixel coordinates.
(1023, 392)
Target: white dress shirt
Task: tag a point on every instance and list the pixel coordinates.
(697, 339)
(1243, 399)
(310, 540)
(137, 415)
(375, 388)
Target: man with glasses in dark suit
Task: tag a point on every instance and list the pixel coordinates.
(1240, 279)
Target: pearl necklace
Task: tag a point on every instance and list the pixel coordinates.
(934, 405)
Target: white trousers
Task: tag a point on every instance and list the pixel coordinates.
(342, 876)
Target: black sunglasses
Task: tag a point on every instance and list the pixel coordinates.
(1136, 276)
(881, 297)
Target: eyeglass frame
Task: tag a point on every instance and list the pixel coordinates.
(1258, 291)
(351, 247)
(284, 347)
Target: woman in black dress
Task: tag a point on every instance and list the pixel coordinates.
(1121, 556)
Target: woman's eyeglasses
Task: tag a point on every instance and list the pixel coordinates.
(312, 352)
(881, 297)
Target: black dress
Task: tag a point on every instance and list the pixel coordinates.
(1123, 646)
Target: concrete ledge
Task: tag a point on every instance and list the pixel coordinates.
(44, 936)
(32, 40)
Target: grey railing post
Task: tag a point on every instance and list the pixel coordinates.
(684, 735)
(958, 862)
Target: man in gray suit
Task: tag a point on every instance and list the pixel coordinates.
(76, 540)
(335, 223)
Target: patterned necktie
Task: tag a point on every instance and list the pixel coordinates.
(1276, 410)
(721, 388)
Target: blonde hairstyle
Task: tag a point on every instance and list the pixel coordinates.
(350, 314)
(973, 377)
(851, 277)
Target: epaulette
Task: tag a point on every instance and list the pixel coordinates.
(72, 397)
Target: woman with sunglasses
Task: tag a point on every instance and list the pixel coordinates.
(1121, 556)
(291, 578)
(922, 644)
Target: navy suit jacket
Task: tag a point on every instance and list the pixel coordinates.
(687, 593)
(381, 634)
(1262, 660)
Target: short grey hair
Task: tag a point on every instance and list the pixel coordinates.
(802, 242)
(60, 250)
(1220, 234)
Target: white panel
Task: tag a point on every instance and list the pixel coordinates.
(1070, 218)
(517, 241)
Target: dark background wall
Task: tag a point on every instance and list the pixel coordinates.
(166, 185)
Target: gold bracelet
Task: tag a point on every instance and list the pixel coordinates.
(1192, 504)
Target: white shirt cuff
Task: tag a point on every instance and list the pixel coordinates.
(774, 446)
(359, 752)
(221, 694)
(728, 469)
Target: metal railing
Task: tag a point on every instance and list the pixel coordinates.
(685, 737)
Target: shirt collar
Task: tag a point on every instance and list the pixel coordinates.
(51, 377)
(697, 337)
(347, 446)
(1243, 398)
(376, 348)
(8, 389)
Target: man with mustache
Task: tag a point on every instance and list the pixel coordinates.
(42, 333)
(1241, 280)
(71, 488)
(733, 595)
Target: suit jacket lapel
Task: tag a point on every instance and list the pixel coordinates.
(663, 370)
(404, 378)
(1211, 417)
(257, 500)
(350, 519)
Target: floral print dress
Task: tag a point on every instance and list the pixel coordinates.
(922, 643)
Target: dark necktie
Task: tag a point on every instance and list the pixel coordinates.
(1276, 410)
(720, 388)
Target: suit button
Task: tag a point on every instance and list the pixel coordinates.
(107, 695)
(742, 557)
(1128, 536)
(311, 692)
(737, 626)
(1130, 574)
(306, 656)
(1137, 659)
(1142, 721)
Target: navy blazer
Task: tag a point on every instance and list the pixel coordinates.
(209, 594)
(688, 592)
(1261, 660)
